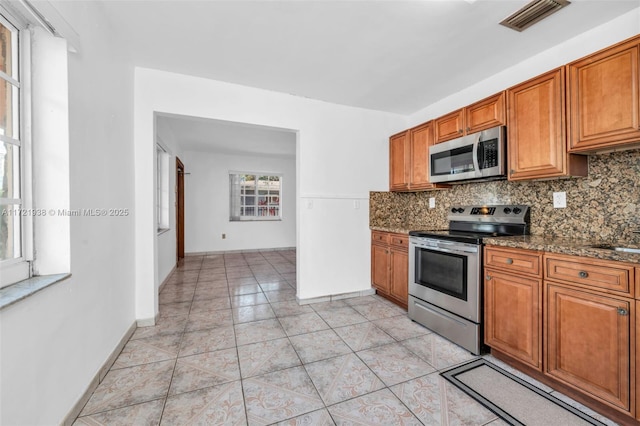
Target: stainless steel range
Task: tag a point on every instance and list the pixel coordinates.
(445, 270)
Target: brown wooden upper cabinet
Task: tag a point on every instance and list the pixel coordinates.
(484, 114)
(409, 159)
(399, 161)
(536, 135)
(604, 98)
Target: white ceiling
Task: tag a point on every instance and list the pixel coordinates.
(227, 137)
(397, 56)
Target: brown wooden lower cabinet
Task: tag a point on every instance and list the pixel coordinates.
(588, 342)
(390, 266)
(637, 330)
(513, 316)
(586, 345)
(380, 267)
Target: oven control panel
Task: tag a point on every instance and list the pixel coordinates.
(483, 210)
(512, 213)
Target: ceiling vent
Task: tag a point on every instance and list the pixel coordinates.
(532, 13)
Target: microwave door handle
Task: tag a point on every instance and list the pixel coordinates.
(476, 143)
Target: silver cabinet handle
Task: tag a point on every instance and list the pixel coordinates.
(583, 274)
(488, 277)
(622, 311)
(509, 261)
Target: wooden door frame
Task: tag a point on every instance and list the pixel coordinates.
(179, 210)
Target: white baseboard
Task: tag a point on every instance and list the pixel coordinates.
(206, 253)
(334, 297)
(98, 378)
(166, 280)
(148, 322)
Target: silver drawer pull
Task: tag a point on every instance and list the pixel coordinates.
(488, 277)
(509, 261)
(583, 274)
(622, 311)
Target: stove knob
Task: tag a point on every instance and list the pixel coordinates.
(454, 210)
(507, 210)
(517, 210)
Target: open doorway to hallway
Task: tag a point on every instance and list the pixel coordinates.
(179, 210)
(213, 152)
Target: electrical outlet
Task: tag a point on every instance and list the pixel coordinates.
(559, 200)
(356, 204)
(224, 236)
(432, 202)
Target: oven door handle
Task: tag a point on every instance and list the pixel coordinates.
(464, 252)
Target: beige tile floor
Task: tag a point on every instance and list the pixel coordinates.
(233, 347)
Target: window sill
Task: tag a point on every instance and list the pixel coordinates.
(21, 290)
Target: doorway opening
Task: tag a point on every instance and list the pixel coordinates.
(179, 210)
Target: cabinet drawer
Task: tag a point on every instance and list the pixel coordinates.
(601, 274)
(380, 237)
(400, 240)
(513, 260)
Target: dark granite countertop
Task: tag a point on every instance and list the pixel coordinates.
(576, 247)
(571, 246)
(391, 229)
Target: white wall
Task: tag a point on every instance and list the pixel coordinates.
(207, 203)
(621, 28)
(166, 242)
(341, 155)
(54, 342)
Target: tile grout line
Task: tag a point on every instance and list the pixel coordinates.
(182, 335)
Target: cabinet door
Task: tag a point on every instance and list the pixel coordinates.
(513, 316)
(420, 139)
(604, 99)
(536, 127)
(449, 126)
(399, 162)
(485, 114)
(588, 342)
(380, 267)
(399, 285)
(637, 343)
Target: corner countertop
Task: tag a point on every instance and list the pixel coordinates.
(576, 247)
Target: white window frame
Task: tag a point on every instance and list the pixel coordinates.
(18, 269)
(234, 216)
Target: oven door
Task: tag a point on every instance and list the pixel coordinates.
(446, 274)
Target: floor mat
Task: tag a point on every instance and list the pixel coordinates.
(514, 400)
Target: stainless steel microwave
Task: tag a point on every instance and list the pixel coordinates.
(479, 155)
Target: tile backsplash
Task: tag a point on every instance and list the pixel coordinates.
(605, 206)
